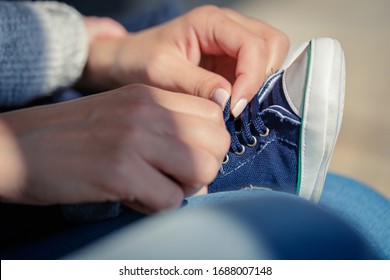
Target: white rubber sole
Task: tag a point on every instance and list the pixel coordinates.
(322, 114)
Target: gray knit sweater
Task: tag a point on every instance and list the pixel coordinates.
(43, 46)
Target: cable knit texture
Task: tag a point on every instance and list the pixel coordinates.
(43, 47)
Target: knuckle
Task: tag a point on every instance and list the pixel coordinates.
(228, 11)
(281, 39)
(202, 16)
(117, 161)
(224, 142)
(205, 83)
(204, 170)
(116, 158)
(260, 43)
(156, 64)
(276, 43)
(209, 171)
(215, 112)
(222, 145)
(201, 170)
(112, 174)
(129, 95)
(140, 109)
(205, 10)
(133, 88)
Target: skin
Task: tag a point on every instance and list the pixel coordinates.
(146, 140)
(137, 144)
(211, 48)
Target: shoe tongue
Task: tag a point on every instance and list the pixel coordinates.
(274, 96)
(271, 93)
(295, 78)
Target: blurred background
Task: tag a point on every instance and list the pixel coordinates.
(362, 27)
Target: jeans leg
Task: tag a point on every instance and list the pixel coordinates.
(31, 232)
(360, 206)
(248, 224)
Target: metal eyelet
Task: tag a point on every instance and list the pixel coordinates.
(240, 152)
(265, 133)
(226, 159)
(254, 142)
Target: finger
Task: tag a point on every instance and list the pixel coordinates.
(275, 47)
(175, 140)
(247, 47)
(188, 104)
(249, 76)
(277, 41)
(200, 82)
(140, 207)
(150, 188)
(185, 150)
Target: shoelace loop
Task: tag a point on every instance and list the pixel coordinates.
(241, 129)
(250, 122)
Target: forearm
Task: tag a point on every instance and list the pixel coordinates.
(43, 47)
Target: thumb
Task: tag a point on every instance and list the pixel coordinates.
(198, 81)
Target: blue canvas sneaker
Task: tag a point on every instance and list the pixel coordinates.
(285, 137)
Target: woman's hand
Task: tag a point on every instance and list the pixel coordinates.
(141, 145)
(101, 28)
(209, 52)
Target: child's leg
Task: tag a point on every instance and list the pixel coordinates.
(247, 224)
(361, 207)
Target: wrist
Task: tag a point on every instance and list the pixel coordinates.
(100, 71)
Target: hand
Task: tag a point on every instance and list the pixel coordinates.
(100, 28)
(141, 145)
(209, 52)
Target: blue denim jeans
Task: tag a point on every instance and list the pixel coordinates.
(351, 222)
(358, 205)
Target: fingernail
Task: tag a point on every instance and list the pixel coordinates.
(239, 107)
(221, 97)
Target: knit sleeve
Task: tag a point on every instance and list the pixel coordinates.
(43, 46)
